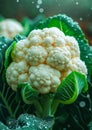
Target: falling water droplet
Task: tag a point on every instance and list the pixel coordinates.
(39, 2)
(91, 8)
(77, 2)
(41, 10)
(17, 1)
(81, 19)
(33, 2)
(37, 6)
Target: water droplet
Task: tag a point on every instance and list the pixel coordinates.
(17, 1)
(38, 6)
(68, 125)
(88, 96)
(77, 2)
(39, 2)
(81, 19)
(33, 2)
(91, 8)
(82, 104)
(46, 127)
(86, 57)
(41, 10)
(89, 109)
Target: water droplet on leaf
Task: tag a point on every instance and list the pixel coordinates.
(82, 104)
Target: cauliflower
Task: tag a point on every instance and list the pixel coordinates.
(10, 28)
(43, 59)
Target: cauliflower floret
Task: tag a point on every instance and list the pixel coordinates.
(36, 55)
(10, 28)
(59, 58)
(17, 73)
(49, 56)
(73, 47)
(20, 50)
(78, 65)
(44, 78)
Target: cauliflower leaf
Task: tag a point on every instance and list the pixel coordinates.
(71, 87)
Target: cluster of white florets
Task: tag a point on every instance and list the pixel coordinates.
(9, 28)
(43, 59)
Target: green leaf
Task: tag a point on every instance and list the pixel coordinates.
(71, 87)
(1, 18)
(71, 28)
(64, 23)
(8, 58)
(29, 24)
(28, 93)
(4, 44)
(90, 125)
(18, 37)
(8, 101)
(1, 62)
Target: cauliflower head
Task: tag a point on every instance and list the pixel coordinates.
(43, 59)
(10, 28)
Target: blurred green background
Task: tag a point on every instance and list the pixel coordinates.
(77, 9)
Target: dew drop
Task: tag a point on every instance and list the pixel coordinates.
(37, 6)
(77, 2)
(82, 104)
(39, 2)
(86, 57)
(17, 1)
(68, 125)
(81, 19)
(33, 2)
(88, 96)
(89, 109)
(41, 10)
(91, 8)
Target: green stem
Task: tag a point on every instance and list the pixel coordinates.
(55, 105)
(38, 108)
(46, 103)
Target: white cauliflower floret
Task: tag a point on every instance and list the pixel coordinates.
(49, 56)
(73, 47)
(36, 55)
(44, 78)
(17, 73)
(10, 28)
(59, 58)
(20, 50)
(78, 65)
